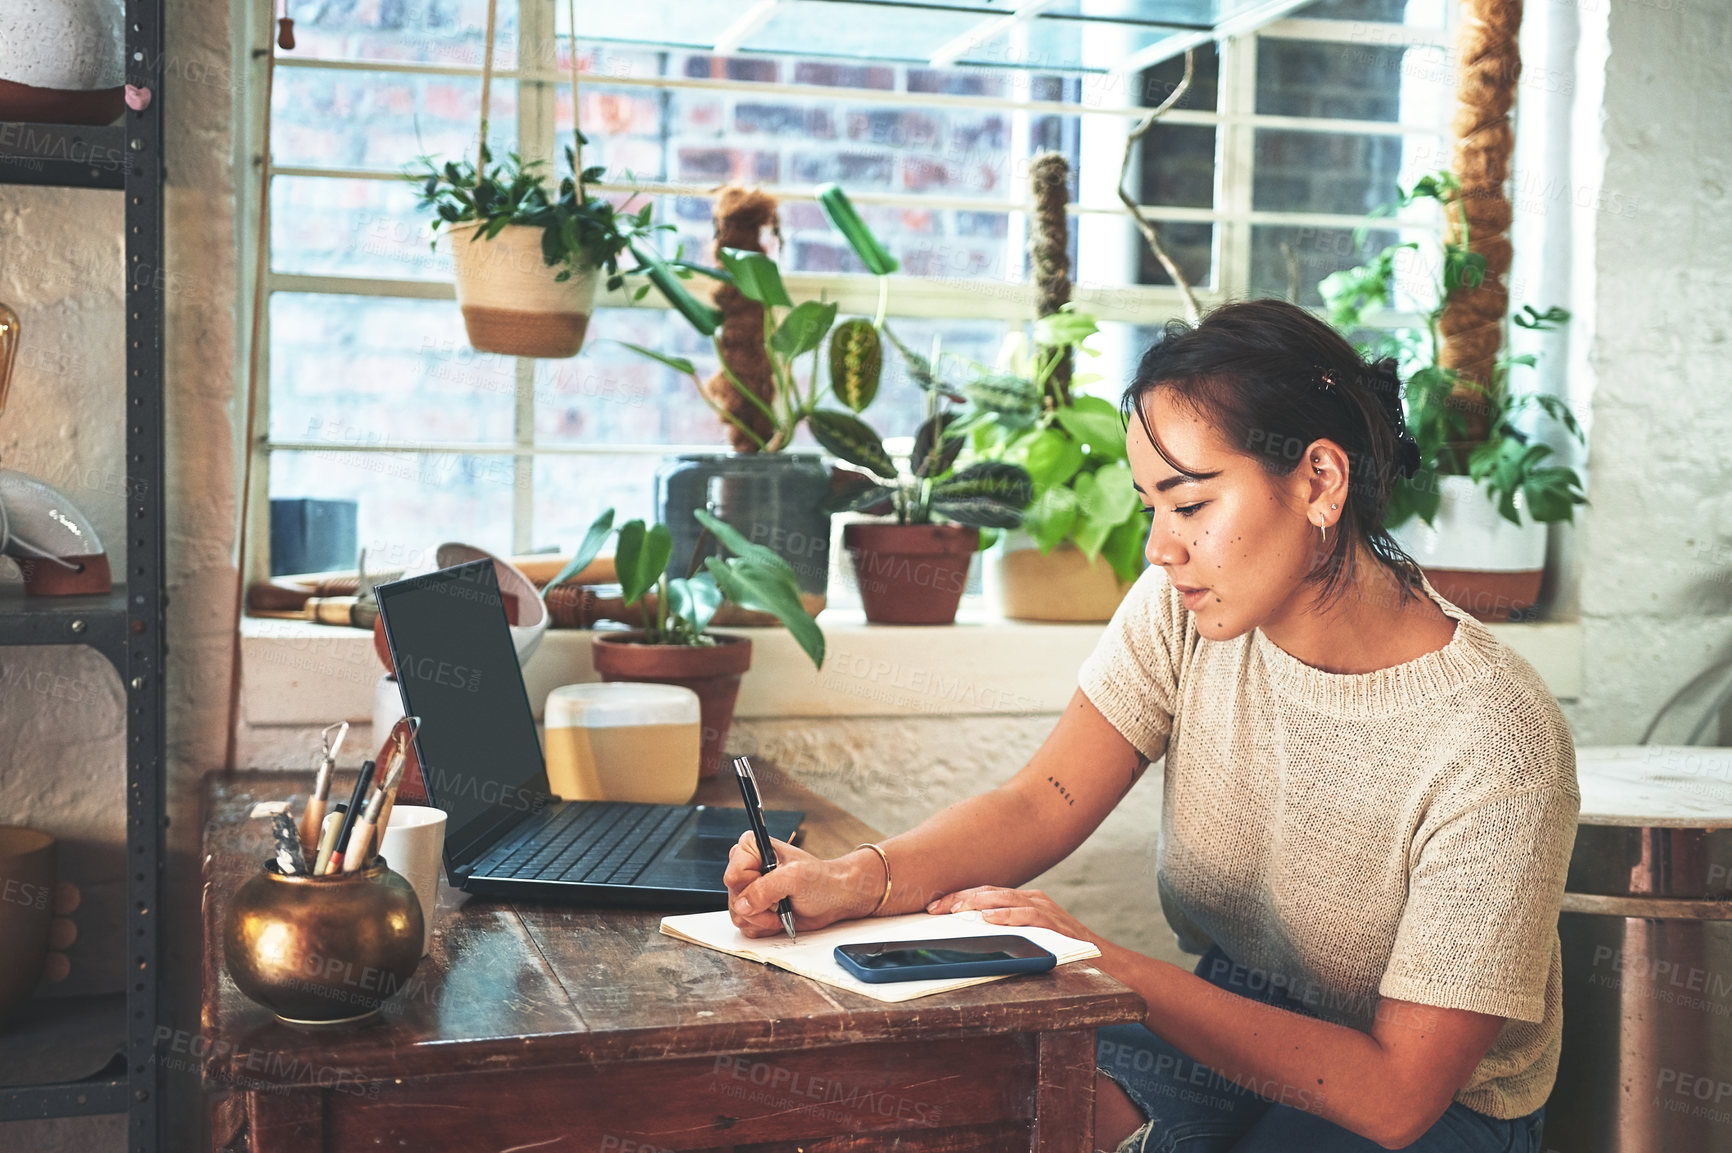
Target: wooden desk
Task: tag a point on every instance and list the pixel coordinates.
(549, 1028)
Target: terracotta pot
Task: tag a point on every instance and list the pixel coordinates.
(1025, 584)
(910, 574)
(28, 870)
(511, 302)
(62, 61)
(711, 671)
(1475, 558)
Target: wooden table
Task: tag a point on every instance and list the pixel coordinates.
(552, 1028)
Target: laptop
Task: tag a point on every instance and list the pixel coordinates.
(506, 835)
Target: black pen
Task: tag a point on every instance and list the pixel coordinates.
(766, 851)
(357, 802)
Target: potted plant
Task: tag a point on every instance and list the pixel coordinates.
(675, 646)
(528, 258)
(767, 383)
(911, 569)
(1474, 516)
(1081, 543)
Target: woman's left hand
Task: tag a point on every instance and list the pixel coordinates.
(1015, 907)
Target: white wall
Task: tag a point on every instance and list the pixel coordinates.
(1655, 548)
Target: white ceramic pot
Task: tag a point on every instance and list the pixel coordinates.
(1473, 556)
(53, 542)
(62, 61)
(1023, 584)
(511, 302)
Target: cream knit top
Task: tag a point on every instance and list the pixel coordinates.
(1399, 833)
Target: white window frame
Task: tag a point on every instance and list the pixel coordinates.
(1235, 119)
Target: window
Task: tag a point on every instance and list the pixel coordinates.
(1257, 179)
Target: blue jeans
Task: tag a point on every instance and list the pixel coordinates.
(1192, 1109)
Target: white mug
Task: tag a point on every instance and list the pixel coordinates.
(413, 845)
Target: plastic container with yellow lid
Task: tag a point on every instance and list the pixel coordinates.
(623, 741)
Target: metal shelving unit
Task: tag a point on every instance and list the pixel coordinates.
(127, 625)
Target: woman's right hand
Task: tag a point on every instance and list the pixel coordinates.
(823, 891)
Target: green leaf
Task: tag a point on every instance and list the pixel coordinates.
(1552, 494)
(866, 246)
(1014, 400)
(762, 588)
(1102, 431)
(803, 329)
(856, 363)
(935, 447)
(990, 480)
(849, 438)
(1050, 517)
(1053, 457)
(677, 363)
(859, 495)
(695, 600)
(735, 542)
(756, 276)
(703, 317)
(977, 511)
(1112, 499)
(1123, 549)
(586, 552)
(641, 557)
(1065, 328)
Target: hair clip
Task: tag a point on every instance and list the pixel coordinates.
(1325, 378)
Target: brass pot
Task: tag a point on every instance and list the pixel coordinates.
(323, 950)
(28, 861)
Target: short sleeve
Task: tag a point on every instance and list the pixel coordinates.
(1132, 676)
(1480, 924)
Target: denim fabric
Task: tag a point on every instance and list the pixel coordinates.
(1193, 1109)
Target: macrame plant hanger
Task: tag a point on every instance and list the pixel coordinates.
(487, 97)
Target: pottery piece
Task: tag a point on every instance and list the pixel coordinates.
(28, 869)
(711, 671)
(62, 61)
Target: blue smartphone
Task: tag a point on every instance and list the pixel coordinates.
(878, 961)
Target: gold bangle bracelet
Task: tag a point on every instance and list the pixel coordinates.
(886, 861)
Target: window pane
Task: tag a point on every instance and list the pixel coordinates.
(447, 32)
(321, 226)
(1159, 81)
(383, 120)
(409, 502)
(1359, 81)
(571, 491)
(1325, 171)
(609, 394)
(1287, 259)
(371, 370)
(1423, 13)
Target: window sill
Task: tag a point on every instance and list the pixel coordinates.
(299, 673)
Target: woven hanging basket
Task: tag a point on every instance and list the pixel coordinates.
(512, 301)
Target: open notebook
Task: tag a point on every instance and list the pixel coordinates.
(812, 955)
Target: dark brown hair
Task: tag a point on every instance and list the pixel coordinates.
(1272, 378)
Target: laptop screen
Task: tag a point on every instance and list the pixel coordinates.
(457, 670)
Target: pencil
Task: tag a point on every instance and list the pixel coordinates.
(327, 841)
(356, 803)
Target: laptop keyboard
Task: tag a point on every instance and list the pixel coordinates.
(597, 843)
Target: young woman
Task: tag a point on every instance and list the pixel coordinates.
(1368, 803)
